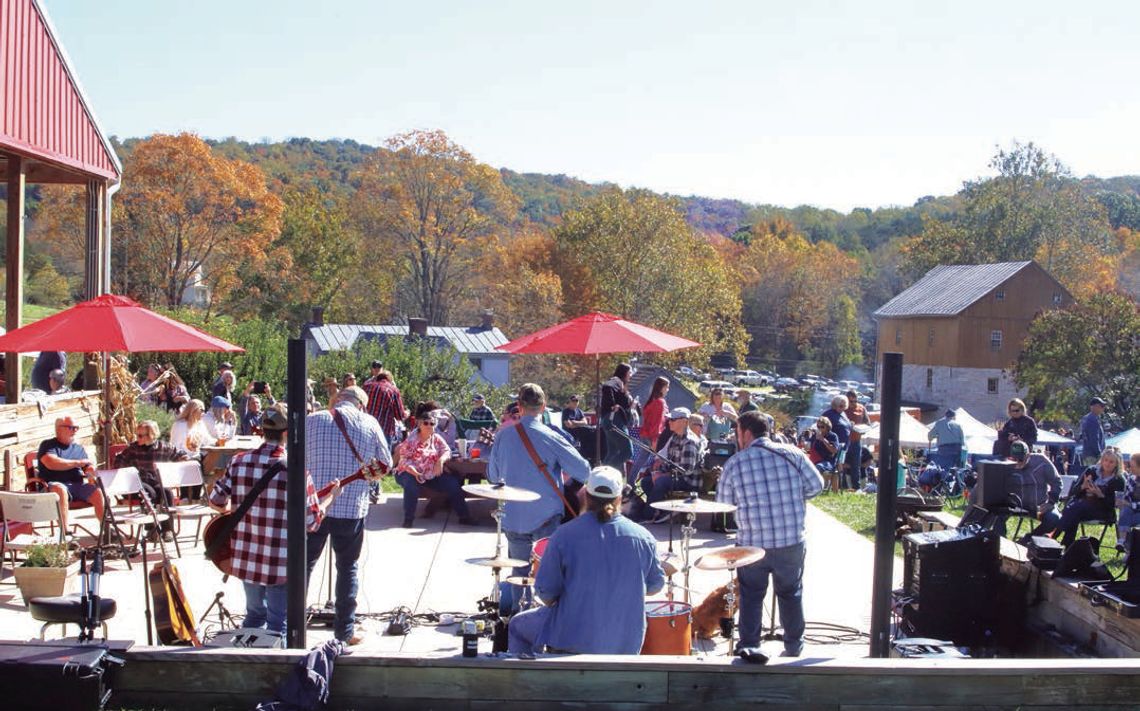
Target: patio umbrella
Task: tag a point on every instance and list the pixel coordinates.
(106, 324)
(597, 333)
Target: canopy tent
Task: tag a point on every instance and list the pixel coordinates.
(912, 433)
(1047, 438)
(1127, 441)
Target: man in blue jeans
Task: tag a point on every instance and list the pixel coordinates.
(338, 441)
(769, 483)
(511, 463)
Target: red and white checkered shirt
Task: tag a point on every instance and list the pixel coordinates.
(261, 539)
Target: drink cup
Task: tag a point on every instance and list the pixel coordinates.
(461, 445)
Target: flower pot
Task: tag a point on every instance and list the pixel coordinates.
(45, 582)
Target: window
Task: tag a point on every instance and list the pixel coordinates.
(930, 337)
(898, 336)
(1057, 298)
(992, 386)
(999, 295)
(477, 362)
(929, 378)
(995, 340)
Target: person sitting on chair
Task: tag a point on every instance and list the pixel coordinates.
(1093, 496)
(682, 473)
(144, 454)
(418, 462)
(64, 464)
(1040, 489)
(595, 574)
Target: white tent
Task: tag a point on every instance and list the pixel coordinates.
(1127, 441)
(1046, 438)
(912, 433)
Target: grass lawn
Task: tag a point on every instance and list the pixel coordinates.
(857, 511)
(31, 312)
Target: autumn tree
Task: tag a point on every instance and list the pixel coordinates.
(187, 216)
(1032, 209)
(632, 253)
(428, 203)
(1091, 349)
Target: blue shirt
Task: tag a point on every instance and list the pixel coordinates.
(840, 425)
(328, 456)
(1092, 435)
(947, 431)
(770, 484)
(71, 451)
(510, 463)
(597, 576)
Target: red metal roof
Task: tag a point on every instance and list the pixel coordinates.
(43, 113)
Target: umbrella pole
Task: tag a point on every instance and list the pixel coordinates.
(598, 408)
(107, 412)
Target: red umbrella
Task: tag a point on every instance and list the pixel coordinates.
(598, 333)
(110, 323)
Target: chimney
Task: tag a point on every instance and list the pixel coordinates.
(417, 327)
(488, 319)
(318, 315)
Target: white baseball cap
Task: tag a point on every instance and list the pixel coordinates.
(605, 483)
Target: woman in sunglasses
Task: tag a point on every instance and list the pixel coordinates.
(1093, 496)
(419, 461)
(1019, 427)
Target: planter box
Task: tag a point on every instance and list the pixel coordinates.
(45, 582)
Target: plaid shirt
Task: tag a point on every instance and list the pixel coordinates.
(685, 452)
(144, 457)
(482, 414)
(770, 484)
(386, 405)
(328, 456)
(260, 539)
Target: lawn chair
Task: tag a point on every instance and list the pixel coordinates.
(32, 509)
(175, 475)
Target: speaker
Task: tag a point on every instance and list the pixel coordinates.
(997, 480)
(952, 580)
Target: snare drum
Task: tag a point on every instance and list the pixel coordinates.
(669, 628)
(536, 555)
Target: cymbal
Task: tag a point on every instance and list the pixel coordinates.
(498, 562)
(729, 558)
(693, 506)
(521, 581)
(501, 492)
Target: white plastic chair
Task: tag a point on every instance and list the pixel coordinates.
(180, 474)
(123, 482)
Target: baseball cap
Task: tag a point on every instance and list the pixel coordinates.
(226, 365)
(220, 401)
(376, 364)
(477, 396)
(680, 413)
(1019, 450)
(951, 413)
(275, 418)
(1097, 401)
(605, 483)
(354, 393)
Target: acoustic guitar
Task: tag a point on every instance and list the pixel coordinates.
(173, 618)
(221, 553)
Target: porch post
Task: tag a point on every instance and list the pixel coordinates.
(14, 268)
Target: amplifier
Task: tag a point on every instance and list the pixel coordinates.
(952, 578)
(718, 453)
(54, 676)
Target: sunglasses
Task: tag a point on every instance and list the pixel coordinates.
(428, 422)
(73, 428)
(1016, 409)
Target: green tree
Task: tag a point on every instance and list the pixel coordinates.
(1032, 209)
(1089, 349)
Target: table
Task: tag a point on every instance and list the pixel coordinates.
(216, 458)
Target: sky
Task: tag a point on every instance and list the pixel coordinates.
(833, 104)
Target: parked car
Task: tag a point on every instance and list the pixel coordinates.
(706, 386)
(750, 377)
(787, 384)
(687, 372)
(846, 385)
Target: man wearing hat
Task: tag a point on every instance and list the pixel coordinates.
(374, 367)
(338, 442)
(950, 437)
(260, 540)
(677, 467)
(594, 577)
(1040, 489)
(479, 410)
(1092, 433)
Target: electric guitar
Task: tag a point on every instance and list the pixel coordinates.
(220, 552)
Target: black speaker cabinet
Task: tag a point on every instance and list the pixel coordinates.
(952, 579)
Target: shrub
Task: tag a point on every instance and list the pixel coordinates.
(47, 555)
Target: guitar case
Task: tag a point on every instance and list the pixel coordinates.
(56, 675)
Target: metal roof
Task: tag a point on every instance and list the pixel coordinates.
(43, 111)
(466, 339)
(949, 289)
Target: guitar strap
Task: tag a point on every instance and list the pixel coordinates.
(339, 420)
(542, 467)
(231, 522)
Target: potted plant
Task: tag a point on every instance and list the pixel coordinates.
(48, 570)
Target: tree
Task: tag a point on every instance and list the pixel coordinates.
(631, 253)
(1089, 349)
(187, 216)
(427, 200)
(1032, 209)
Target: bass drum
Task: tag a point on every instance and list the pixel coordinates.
(536, 555)
(669, 628)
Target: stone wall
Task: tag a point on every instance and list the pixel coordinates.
(961, 387)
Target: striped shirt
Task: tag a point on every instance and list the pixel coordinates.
(261, 538)
(328, 456)
(770, 484)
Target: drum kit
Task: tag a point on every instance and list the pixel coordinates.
(500, 493)
(730, 559)
(690, 506)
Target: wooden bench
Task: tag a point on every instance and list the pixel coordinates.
(937, 520)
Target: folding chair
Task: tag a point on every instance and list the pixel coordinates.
(17, 507)
(179, 474)
(124, 482)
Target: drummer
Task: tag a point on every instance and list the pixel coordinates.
(513, 463)
(595, 575)
(769, 483)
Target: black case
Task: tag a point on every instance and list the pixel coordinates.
(1122, 597)
(55, 676)
(1044, 552)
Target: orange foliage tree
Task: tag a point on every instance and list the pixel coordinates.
(187, 217)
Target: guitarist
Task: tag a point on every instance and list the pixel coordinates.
(260, 538)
